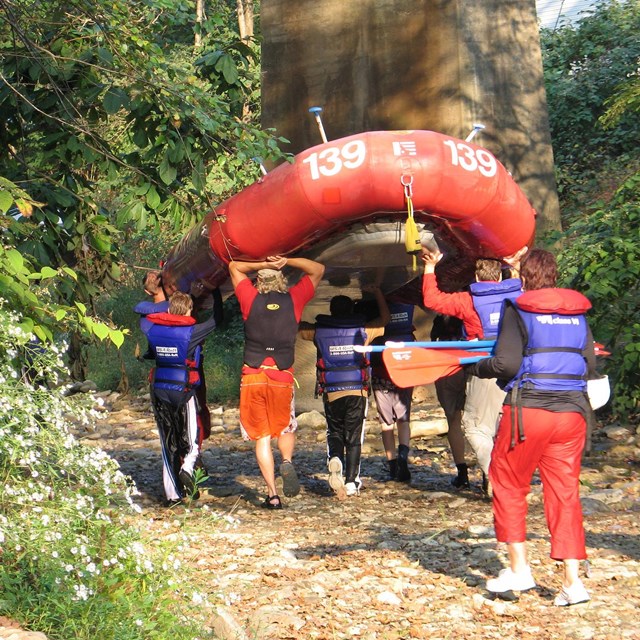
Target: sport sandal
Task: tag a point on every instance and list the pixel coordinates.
(290, 482)
(272, 502)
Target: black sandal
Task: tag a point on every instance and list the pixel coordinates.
(269, 504)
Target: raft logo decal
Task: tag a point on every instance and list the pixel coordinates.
(470, 159)
(332, 160)
(549, 319)
(273, 306)
(167, 352)
(407, 148)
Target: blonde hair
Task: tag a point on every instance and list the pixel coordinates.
(271, 280)
(180, 304)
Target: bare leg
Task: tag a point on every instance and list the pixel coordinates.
(404, 432)
(264, 456)
(571, 572)
(286, 445)
(517, 556)
(389, 441)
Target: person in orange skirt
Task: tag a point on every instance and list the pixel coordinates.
(271, 313)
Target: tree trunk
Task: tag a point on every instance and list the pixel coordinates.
(78, 359)
(245, 18)
(427, 64)
(200, 18)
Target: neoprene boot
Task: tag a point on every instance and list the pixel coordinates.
(461, 481)
(393, 469)
(404, 475)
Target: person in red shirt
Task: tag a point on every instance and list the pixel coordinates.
(271, 313)
(479, 309)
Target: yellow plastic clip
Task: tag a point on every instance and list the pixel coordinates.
(411, 233)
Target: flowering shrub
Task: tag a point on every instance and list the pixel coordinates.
(72, 564)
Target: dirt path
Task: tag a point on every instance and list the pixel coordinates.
(396, 562)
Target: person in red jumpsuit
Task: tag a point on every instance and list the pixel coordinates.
(543, 357)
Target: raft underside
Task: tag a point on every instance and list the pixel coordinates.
(373, 253)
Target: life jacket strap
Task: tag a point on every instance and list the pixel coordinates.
(533, 350)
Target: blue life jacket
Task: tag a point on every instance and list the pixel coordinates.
(553, 355)
(399, 329)
(169, 345)
(339, 367)
(487, 301)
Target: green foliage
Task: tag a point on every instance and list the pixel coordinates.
(73, 563)
(602, 260)
(33, 292)
(584, 67)
(625, 100)
(591, 82)
(110, 124)
(224, 356)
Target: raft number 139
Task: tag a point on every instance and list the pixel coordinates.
(330, 161)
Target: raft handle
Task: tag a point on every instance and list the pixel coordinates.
(316, 111)
(476, 127)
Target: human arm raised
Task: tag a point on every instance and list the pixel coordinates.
(313, 269)
(375, 328)
(430, 259)
(514, 261)
(238, 269)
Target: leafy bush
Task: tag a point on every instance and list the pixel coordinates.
(602, 260)
(72, 564)
(586, 67)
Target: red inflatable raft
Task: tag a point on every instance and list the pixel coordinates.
(344, 202)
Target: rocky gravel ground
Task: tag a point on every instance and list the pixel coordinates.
(396, 562)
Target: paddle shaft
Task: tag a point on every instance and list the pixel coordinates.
(466, 345)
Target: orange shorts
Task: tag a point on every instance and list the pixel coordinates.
(266, 406)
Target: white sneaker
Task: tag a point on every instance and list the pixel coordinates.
(336, 481)
(507, 580)
(575, 594)
(352, 489)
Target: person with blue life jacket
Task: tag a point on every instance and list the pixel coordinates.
(392, 402)
(479, 309)
(543, 358)
(271, 312)
(152, 285)
(175, 343)
(343, 380)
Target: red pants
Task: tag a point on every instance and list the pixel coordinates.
(553, 444)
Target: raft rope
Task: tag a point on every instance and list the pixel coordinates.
(411, 234)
